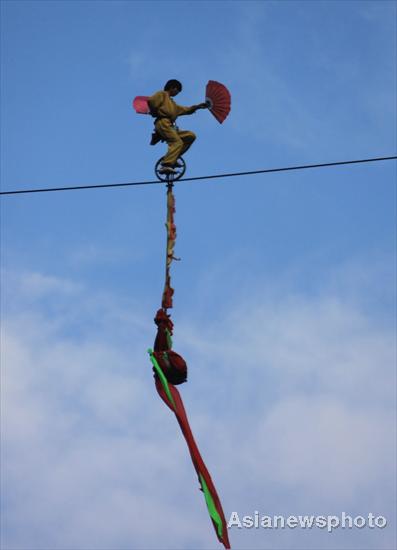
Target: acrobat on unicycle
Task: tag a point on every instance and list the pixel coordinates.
(163, 108)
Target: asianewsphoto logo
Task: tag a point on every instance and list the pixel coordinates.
(344, 521)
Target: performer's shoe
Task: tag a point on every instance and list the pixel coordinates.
(155, 138)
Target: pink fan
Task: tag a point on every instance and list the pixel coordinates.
(219, 100)
(140, 104)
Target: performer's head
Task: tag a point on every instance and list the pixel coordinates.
(173, 87)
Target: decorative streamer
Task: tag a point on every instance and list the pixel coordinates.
(170, 369)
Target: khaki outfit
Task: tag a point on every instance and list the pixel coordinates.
(166, 111)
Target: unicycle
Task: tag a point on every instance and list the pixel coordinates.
(180, 169)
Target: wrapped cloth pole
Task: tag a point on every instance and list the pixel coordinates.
(171, 238)
(170, 369)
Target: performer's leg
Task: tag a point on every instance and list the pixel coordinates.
(175, 146)
(188, 138)
(175, 143)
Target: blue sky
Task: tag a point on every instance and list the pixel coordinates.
(284, 299)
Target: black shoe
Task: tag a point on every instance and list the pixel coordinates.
(155, 138)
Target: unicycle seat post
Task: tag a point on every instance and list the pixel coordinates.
(170, 181)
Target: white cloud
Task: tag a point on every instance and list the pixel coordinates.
(325, 449)
(38, 284)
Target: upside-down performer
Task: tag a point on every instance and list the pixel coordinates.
(164, 109)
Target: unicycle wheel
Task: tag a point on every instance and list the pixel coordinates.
(180, 169)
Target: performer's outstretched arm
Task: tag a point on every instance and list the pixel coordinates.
(190, 110)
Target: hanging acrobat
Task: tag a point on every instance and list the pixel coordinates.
(169, 367)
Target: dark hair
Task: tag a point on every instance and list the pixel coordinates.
(173, 84)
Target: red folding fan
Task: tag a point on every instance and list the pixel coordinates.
(219, 100)
(140, 104)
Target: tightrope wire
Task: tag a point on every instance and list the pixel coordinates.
(250, 173)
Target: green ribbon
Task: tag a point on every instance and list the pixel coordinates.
(211, 506)
(163, 379)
